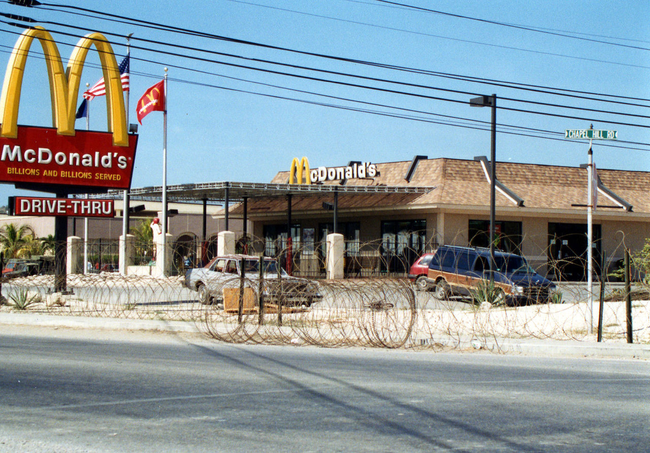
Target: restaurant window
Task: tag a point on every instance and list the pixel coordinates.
(350, 232)
(402, 242)
(275, 239)
(567, 251)
(508, 235)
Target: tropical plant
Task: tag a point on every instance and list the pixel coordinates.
(37, 246)
(487, 291)
(13, 239)
(48, 245)
(555, 297)
(142, 231)
(143, 240)
(21, 299)
(640, 263)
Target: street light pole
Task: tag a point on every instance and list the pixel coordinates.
(491, 101)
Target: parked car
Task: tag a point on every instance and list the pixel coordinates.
(20, 268)
(419, 272)
(225, 272)
(460, 270)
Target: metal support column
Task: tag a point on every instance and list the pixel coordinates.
(61, 247)
(245, 227)
(227, 207)
(336, 212)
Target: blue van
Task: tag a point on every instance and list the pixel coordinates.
(457, 270)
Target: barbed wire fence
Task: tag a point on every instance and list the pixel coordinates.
(375, 305)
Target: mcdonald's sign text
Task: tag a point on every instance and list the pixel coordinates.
(356, 170)
(62, 156)
(88, 159)
(37, 206)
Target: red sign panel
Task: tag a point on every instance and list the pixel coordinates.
(74, 207)
(88, 159)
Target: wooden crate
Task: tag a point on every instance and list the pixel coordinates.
(231, 300)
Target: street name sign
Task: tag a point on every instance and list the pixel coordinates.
(591, 134)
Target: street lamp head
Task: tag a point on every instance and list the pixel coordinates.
(482, 101)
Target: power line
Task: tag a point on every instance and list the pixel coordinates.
(169, 28)
(347, 84)
(515, 26)
(431, 35)
(409, 114)
(367, 78)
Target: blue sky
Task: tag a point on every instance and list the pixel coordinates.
(230, 123)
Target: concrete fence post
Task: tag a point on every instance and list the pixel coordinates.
(167, 251)
(74, 261)
(335, 261)
(226, 243)
(127, 251)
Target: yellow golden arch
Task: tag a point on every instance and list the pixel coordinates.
(297, 168)
(64, 85)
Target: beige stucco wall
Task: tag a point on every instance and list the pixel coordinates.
(456, 229)
(617, 235)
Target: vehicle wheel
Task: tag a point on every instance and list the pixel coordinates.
(421, 283)
(442, 290)
(204, 294)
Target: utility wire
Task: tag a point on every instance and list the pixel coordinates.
(410, 114)
(431, 35)
(515, 26)
(149, 24)
(373, 79)
(354, 85)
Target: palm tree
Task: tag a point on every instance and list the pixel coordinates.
(38, 246)
(143, 240)
(13, 239)
(49, 245)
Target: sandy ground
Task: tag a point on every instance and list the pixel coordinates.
(346, 309)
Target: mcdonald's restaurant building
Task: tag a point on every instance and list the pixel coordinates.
(390, 213)
(541, 212)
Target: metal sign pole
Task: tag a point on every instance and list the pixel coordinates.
(590, 239)
(592, 135)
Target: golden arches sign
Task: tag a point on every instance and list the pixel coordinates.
(64, 85)
(297, 169)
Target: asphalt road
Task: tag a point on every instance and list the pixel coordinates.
(66, 390)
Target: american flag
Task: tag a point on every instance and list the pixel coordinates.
(99, 89)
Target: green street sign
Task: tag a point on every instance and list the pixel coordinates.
(591, 134)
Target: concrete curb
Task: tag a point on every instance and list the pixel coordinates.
(88, 322)
(544, 347)
(572, 348)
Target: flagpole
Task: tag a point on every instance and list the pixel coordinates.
(164, 184)
(86, 218)
(125, 202)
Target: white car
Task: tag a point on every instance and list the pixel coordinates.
(225, 272)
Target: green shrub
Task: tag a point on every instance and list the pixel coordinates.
(640, 264)
(487, 291)
(555, 297)
(21, 299)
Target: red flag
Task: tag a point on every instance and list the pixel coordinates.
(152, 100)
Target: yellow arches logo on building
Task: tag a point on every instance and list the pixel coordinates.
(64, 85)
(298, 168)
